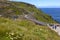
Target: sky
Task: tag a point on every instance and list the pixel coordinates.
(43, 3)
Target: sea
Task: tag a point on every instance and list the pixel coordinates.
(54, 12)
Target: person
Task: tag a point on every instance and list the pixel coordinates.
(55, 27)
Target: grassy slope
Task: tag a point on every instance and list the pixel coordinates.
(38, 14)
(25, 29)
(17, 8)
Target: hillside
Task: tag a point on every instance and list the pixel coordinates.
(11, 9)
(21, 28)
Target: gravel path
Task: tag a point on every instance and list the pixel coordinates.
(57, 29)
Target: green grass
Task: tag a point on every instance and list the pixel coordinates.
(25, 30)
(17, 8)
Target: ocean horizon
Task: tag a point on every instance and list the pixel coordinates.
(54, 12)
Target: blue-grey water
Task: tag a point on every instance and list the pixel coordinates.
(54, 12)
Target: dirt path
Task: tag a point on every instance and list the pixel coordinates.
(53, 27)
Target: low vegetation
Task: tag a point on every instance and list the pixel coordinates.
(21, 28)
(10, 9)
(24, 30)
